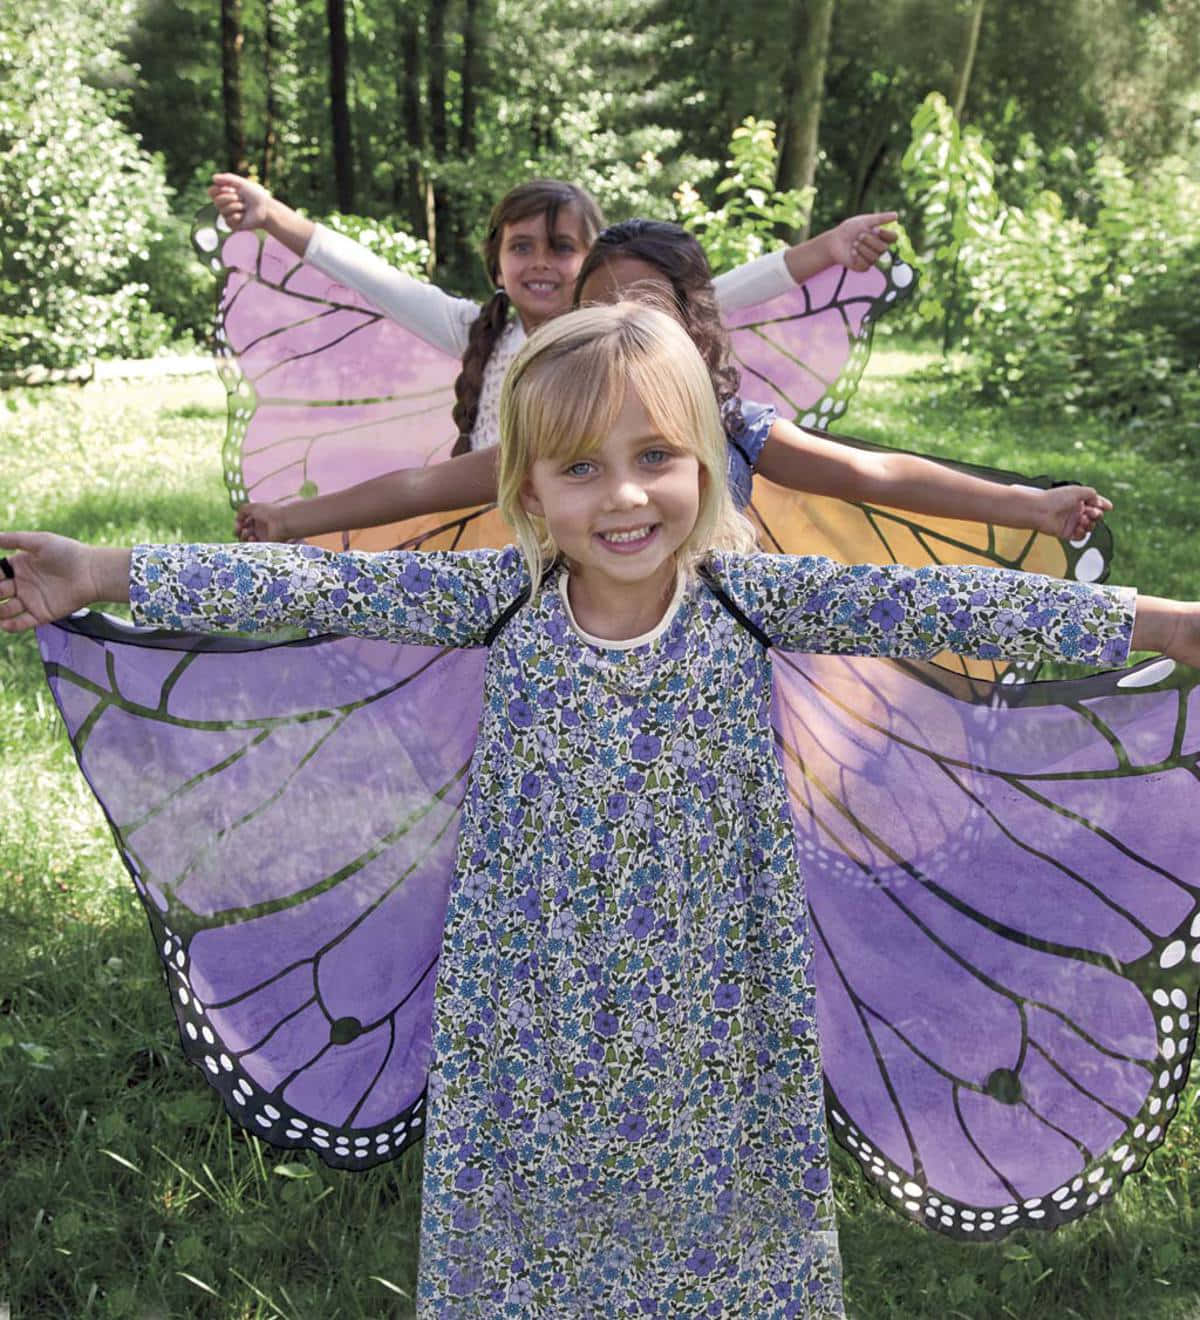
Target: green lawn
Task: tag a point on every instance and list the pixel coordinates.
(127, 1193)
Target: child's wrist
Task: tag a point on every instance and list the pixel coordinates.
(106, 574)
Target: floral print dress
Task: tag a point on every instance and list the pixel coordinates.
(625, 1112)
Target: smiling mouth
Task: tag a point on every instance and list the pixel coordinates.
(632, 538)
(541, 286)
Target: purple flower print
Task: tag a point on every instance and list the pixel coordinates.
(466, 1218)
(816, 1179)
(605, 1023)
(1115, 652)
(195, 577)
(645, 747)
(633, 1127)
(520, 713)
(644, 1033)
(702, 1261)
(415, 577)
(618, 804)
(466, 1281)
(887, 613)
(727, 995)
(640, 923)
(468, 1180)
(531, 784)
(502, 1104)
(520, 1293)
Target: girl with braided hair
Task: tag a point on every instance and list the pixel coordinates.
(527, 252)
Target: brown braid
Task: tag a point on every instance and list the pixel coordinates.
(673, 252)
(536, 197)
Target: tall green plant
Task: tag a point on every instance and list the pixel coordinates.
(1090, 310)
(949, 179)
(748, 222)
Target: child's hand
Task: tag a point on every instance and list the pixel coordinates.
(242, 202)
(860, 241)
(261, 522)
(53, 577)
(1070, 512)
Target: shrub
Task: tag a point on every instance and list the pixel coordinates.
(80, 204)
(1085, 311)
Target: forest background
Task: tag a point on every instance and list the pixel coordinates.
(1043, 153)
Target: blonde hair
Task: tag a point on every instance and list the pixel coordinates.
(561, 398)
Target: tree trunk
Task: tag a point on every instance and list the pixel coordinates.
(438, 226)
(436, 44)
(408, 188)
(466, 128)
(339, 107)
(803, 90)
(962, 75)
(270, 50)
(231, 86)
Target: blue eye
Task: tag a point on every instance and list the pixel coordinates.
(580, 469)
(656, 457)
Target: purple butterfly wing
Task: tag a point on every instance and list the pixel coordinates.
(1004, 899)
(324, 390)
(806, 350)
(297, 904)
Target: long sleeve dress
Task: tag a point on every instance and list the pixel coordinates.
(625, 1109)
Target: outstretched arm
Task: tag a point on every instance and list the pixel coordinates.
(802, 460)
(858, 242)
(244, 204)
(408, 493)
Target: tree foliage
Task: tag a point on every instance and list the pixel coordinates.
(81, 204)
(1092, 310)
(448, 103)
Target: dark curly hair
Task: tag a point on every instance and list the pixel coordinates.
(537, 197)
(673, 252)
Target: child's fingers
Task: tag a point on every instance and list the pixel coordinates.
(21, 540)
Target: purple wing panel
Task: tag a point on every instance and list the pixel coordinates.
(324, 390)
(805, 351)
(1003, 889)
(1001, 884)
(297, 904)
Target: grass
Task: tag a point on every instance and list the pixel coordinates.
(126, 1191)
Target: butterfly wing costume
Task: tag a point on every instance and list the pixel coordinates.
(1004, 962)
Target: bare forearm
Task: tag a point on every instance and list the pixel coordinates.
(408, 493)
(290, 228)
(804, 260)
(801, 460)
(1164, 625)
